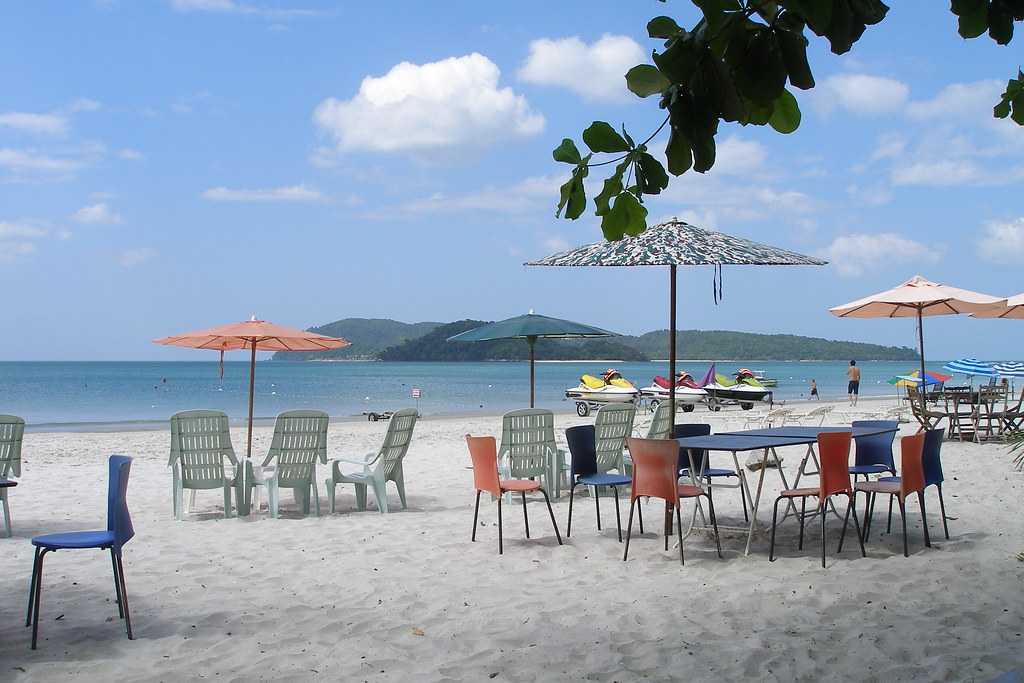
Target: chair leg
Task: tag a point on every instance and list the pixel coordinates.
(846, 520)
(501, 549)
(124, 598)
(856, 526)
(400, 485)
(618, 518)
(227, 500)
(743, 499)
(179, 501)
(903, 518)
(824, 515)
(273, 498)
(679, 532)
(476, 513)
(888, 524)
(7, 512)
(192, 501)
(597, 505)
(526, 518)
(942, 508)
(668, 522)
(36, 597)
(329, 487)
(924, 520)
(32, 587)
(568, 528)
(380, 492)
(551, 513)
(316, 495)
(117, 584)
(714, 523)
(640, 517)
(803, 513)
(629, 528)
(869, 514)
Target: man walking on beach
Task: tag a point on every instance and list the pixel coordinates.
(853, 388)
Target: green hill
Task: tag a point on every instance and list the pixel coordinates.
(369, 336)
(434, 346)
(723, 344)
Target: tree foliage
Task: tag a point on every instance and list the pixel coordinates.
(734, 66)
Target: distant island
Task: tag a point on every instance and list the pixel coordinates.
(390, 340)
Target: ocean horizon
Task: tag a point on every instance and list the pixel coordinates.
(88, 394)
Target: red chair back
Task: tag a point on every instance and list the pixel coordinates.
(911, 467)
(655, 472)
(834, 451)
(483, 450)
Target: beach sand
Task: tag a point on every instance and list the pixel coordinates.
(407, 596)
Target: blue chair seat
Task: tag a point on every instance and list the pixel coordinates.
(604, 479)
(75, 539)
(709, 472)
(868, 469)
(896, 479)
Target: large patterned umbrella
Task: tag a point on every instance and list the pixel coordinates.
(675, 244)
(530, 327)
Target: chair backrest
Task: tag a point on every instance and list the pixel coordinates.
(681, 431)
(12, 429)
(614, 422)
(582, 450)
(118, 519)
(300, 439)
(527, 441)
(930, 460)
(911, 467)
(876, 449)
(661, 423)
(819, 414)
(483, 451)
(397, 440)
(834, 451)
(655, 469)
(200, 440)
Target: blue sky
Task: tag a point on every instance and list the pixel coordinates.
(170, 165)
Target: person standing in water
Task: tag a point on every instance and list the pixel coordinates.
(853, 388)
(814, 391)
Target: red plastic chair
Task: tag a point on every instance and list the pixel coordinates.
(656, 475)
(834, 451)
(483, 450)
(911, 480)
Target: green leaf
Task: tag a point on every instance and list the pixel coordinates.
(794, 56)
(650, 174)
(869, 12)
(678, 62)
(973, 17)
(1011, 103)
(1000, 23)
(761, 73)
(612, 187)
(842, 30)
(644, 80)
(567, 152)
(626, 217)
(785, 117)
(601, 137)
(703, 153)
(663, 27)
(573, 195)
(678, 153)
(817, 13)
(1001, 110)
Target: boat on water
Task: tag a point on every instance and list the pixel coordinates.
(592, 392)
(688, 392)
(724, 390)
(759, 375)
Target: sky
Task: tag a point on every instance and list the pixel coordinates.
(168, 165)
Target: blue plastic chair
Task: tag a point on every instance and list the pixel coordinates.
(118, 532)
(583, 449)
(700, 459)
(874, 452)
(932, 464)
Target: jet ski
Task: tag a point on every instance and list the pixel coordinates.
(611, 387)
(688, 392)
(722, 389)
(745, 373)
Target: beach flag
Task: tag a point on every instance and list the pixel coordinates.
(416, 393)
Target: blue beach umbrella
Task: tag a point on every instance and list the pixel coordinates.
(1009, 369)
(531, 327)
(971, 367)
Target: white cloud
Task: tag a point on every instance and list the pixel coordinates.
(890, 146)
(596, 71)
(736, 156)
(34, 161)
(959, 100)
(10, 251)
(97, 214)
(1002, 241)
(234, 7)
(129, 154)
(292, 193)
(451, 103)
(129, 258)
(862, 94)
(531, 194)
(10, 230)
(855, 253)
(37, 124)
(84, 104)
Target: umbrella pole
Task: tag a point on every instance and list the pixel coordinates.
(530, 341)
(672, 346)
(252, 386)
(920, 346)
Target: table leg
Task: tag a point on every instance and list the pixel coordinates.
(757, 499)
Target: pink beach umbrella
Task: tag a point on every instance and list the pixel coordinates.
(255, 335)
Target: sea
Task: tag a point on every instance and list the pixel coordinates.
(110, 394)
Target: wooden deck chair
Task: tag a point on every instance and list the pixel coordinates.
(381, 466)
(200, 443)
(12, 429)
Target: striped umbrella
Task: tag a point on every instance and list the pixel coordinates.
(971, 367)
(1009, 369)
